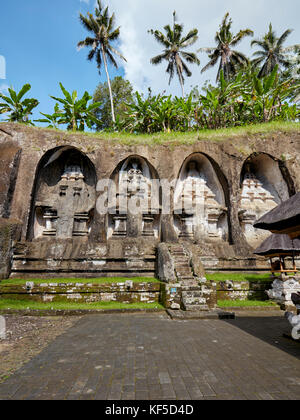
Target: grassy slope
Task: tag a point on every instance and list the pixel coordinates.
(178, 138)
(245, 303)
(23, 304)
(217, 277)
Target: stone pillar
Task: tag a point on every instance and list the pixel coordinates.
(134, 224)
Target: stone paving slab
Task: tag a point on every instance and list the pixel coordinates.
(150, 356)
(213, 314)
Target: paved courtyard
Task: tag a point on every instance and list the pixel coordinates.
(149, 356)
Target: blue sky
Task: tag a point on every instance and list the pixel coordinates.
(39, 37)
(38, 41)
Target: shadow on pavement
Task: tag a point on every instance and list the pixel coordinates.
(269, 329)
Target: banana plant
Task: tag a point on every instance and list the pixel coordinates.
(164, 114)
(269, 94)
(139, 117)
(53, 120)
(76, 113)
(17, 108)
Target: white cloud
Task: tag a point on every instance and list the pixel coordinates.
(136, 17)
(2, 67)
(4, 88)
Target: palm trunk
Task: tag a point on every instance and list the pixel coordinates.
(181, 83)
(109, 86)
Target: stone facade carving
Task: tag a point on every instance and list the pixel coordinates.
(64, 203)
(256, 201)
(137, 207)
(196, 209)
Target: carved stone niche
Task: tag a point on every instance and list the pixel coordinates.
(64, 196)
(262, 188)
(136, 208)
(200, 212)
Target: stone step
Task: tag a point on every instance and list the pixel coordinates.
(192, 294)
(176, 248)
(184, 272)
(190, 287)
(194, 308)
(183, 266)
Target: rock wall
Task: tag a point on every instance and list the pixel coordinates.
(25, 151)
(9, 233)
(128, 292)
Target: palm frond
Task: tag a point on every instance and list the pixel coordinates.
(190, 57)
(241, 35)
(159, 58)
(86, 23)
(186, 70)
(283, 37)
(210, 64)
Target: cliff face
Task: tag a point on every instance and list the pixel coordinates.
(275, 159)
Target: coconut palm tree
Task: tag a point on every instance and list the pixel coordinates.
(272, 52)
(104, 33)
(174, 53)
(230, 60)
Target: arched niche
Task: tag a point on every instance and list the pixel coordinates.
(64, 195)
(201, 200)
(134, 208)
(265, 183)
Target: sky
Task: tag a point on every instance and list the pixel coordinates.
(38, 41)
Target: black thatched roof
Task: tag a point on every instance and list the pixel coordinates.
(284, 216)
(278, 244)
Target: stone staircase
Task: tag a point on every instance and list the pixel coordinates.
(193, 298)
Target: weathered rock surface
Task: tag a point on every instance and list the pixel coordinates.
(9, 233)
(25, 152)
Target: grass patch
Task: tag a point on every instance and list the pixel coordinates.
(23, 304)
(101, 280)
(178, 138)
(245, 303)
(218, 277)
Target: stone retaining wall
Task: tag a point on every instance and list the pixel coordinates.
(243, 290)
(128, 292)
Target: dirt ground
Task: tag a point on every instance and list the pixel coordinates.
(26, 337)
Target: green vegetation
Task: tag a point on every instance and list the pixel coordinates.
(103, 280)
(239, 277)
(17, 108)
(122, 92)
(271, 52)
(245, 303)
(230, 60)
(27, 304)
(242, 100)
(103, 33)
(247, 92)
(188, 138)
(174, 53)
(76, 113)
